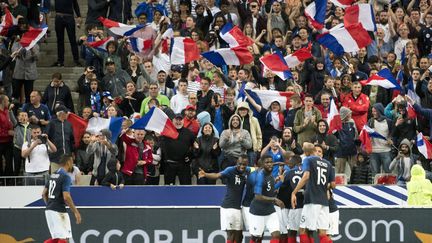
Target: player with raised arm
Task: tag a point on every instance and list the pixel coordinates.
(230, 211)
(262, 211)
(56, 195)
(318, 177)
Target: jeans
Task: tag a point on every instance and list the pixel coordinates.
(378, 160)
(36, 181)
(63, 22)
(180, 169)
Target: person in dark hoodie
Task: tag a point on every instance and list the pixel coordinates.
(403, 162)
(328, 142)
(361, 170)
(114, 177)
(57, 92)
(381, 147)
(404, 127)
(316, 77)
(206, 151)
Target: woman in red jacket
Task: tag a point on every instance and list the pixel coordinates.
(6, 137)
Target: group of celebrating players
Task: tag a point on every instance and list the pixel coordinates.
(287, 198)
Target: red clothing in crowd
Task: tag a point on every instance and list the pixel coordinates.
(132, 155)
(359, 108)
(5, 126)
(324, 111)
(193, 125)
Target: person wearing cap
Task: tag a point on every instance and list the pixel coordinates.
(189, 121)
(57, 91)
(60, 132)
(154, 94)
(178, 163)
(347, 150)
(203, 22)
(115, 79)
(359, 104)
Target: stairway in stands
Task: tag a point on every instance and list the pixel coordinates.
(48, 55)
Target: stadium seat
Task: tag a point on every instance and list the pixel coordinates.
(341, 179)
(385, 179)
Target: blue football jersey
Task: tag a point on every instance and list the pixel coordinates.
(321, 174)
(58, 183)
(265, 185)
(235, 182)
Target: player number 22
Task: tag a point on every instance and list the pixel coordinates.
(322, 178)
(52, 185)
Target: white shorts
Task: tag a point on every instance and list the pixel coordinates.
(294, 217)
(334, 223)
(258, 223)
(231, 219)
(315, 216)
(245, 214)
(59, 224)
(282, 214)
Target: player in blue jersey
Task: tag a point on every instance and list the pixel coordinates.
(230, 212)
(56, 195)
(249, 194)
(262, 211)
(291, 179)
(318, 177)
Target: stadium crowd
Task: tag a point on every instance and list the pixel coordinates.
(215, 127)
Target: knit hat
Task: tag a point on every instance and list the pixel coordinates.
(344, 112)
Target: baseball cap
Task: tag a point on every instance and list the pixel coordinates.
(61, 108)
(107, 94)
(109, 60)
(178, 115)
(190, 107)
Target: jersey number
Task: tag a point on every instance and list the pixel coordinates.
(52, 185)
(296, 179)
(322, 178)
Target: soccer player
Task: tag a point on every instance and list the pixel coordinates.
(249, 194)
(262, 211)
(318, 177)
(292, 178)
(56, 194)
(230, 212)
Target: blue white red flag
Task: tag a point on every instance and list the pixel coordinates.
(32, 36)
(139, 45)
(424, 146)
(383, 78)
(184, 50)
(298, 57)
(360, 13)
(229, 56)
(114, 124)
(233, 35)
(8, 20)
(316, 13)
(101, 44)
(157, 121)
(276, 63)
(119, 28)
(342, 3)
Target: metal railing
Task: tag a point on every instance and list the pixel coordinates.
(22, 180)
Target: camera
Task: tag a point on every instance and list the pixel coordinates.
(43, 139)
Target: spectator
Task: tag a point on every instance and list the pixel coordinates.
(219, 112)
(403, 162)
(305, 121)
(234, 141)
(132, 100)
(328, 142)
(178, 163)
(103, 150)
(381, 148)
(275, 150)
(347, 149)
(358, 103)
(91, 60)
(114, 177)
(153, 169)
(64, 19)
(204, 95)
(189, 121)
(60, 132)
(180, 100)
(38, 113)
(84, 160)
(250, 124)
(295, 105)
(36, 153)
(289, 143)
(22, 133)
(93, 98)
(84, 88)
(361, 173)
(74, 173)
(57, 92)
(419, 188)
(6, 137)
(25, 72)
(206, 151)
(404, 127)
(115, 79)
(154, 94)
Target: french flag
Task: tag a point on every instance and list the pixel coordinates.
(119, 28)
(32, 36)
(345, 39)
(264, 98)
(298, 57)
(157, 121)
(316, 13)
(113, 124)
(424, 146)
(139, 45)
(8, 20)
(184, 50)
(383, 78)
(342, 3)
(333, 119)
(239, 55)
(101, 44)
(365, 138)
(276, 63)
(79, 126)
(232, 35)
(360, 13)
